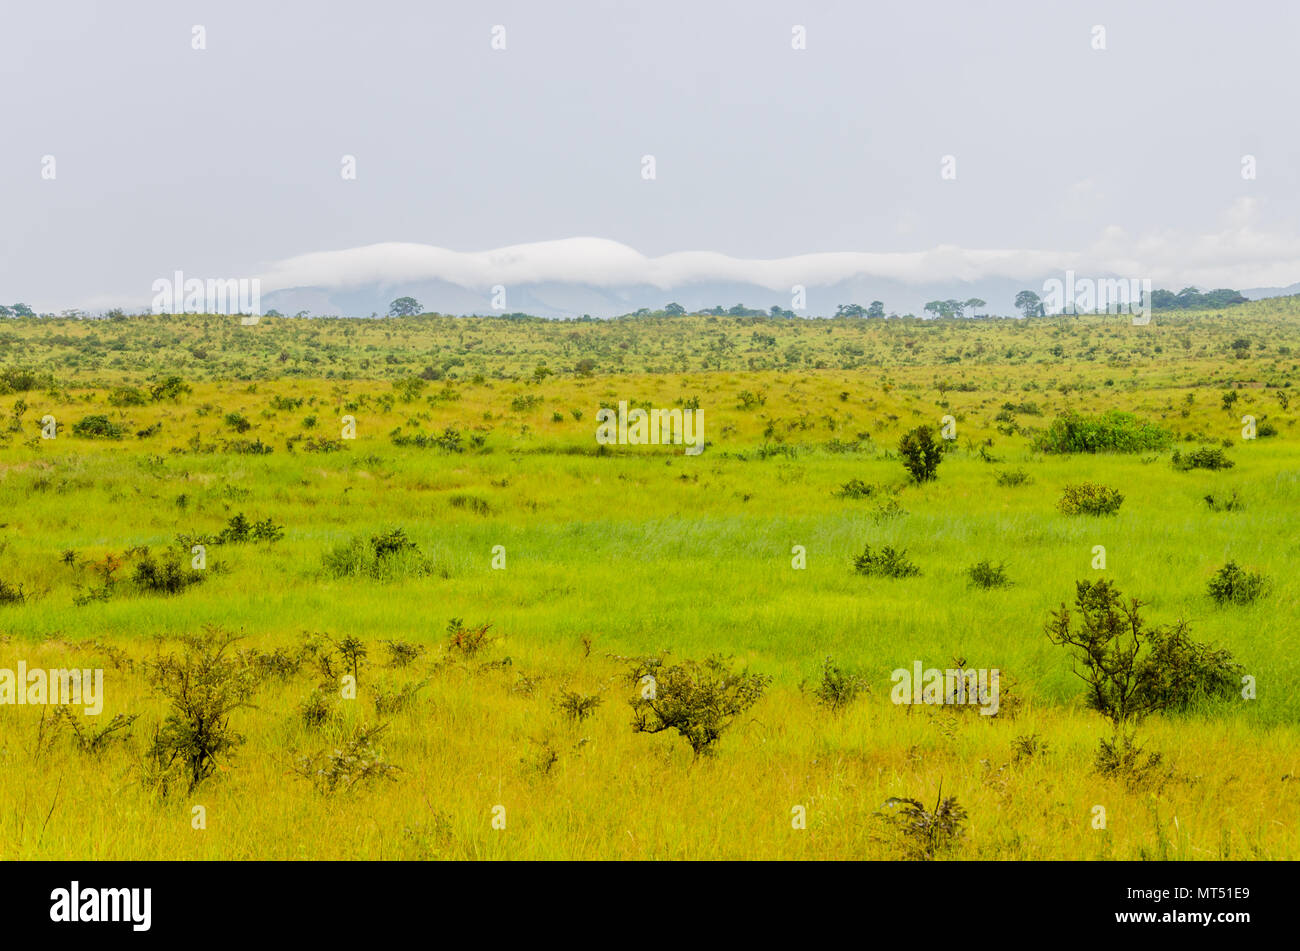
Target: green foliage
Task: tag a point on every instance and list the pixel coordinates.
(1207, 457)
(886, 563)
(97, 427)
(1114, 431)
(386, 556)
(576, 706)
(925, 833)
(203, 684)
(1090, 498)
(353, 765)
(697, 699)
(838, 688)
(921, 454)
(985, 574)
(1232, 584)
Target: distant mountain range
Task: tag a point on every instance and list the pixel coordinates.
(558, 299)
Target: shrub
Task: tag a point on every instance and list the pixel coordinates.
(164, 575)
(1114, 431)
(1230, 504)
(1090, 498)
(857, 489)
(921, 454)
(467, 641)
(204, 685)
(1132, 670)
(576, 706)
(1010, 477)
(97, 427)
(90, 740)
(389, 701)
(1234, 585)
(170, 388)
(1207, 457)
(319, 708)
(386, 557)
(127, 396)
(887, 563)
(11, 593)
(353, 765)
(985, 574)
(925, 832)
(698, 700)
(838, 688)
(402, 653)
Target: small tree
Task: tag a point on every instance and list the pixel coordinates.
(921, 454)
(1132, 669)
(205, 684)
(697, 699)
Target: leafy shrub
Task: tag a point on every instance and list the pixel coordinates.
(386, 557)
(985, 574)
(887, 563)
(576, 706)
(89, 740)
(1010, 477)
(349, 767)
(1235, 585)
(925, 832)
(22, 380)
(838, 688)
(857, 489)
(203, 685)
(467, 641)
(921, 454)
(389, 701)
(1114, 431)
(11, 593)
(97, 427)
(167, 574)
(699, 700)
(127, 396)
(319, 708)
(1230, 504)
(238, 422)
(247, 447)
(1207, 457)
(170, 388)
(402, 653)
(1090, 498)
(1132, 669)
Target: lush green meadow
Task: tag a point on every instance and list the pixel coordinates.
(584, 557)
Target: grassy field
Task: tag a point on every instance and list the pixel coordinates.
(611, 553)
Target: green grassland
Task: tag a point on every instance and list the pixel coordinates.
(618, 552)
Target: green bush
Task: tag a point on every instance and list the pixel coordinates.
(1114, 431)
(1207, 457)
(921, 454)
(1090, 498)
(985, 574)
(1232, 584)
(698, 700)
(887, 563)
(97, 427)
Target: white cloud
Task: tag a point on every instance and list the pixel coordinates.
(1238, 256)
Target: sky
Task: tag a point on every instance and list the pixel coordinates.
(922, 141)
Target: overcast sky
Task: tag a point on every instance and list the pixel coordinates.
(226, 161)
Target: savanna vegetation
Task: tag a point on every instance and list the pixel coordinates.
(371, 588)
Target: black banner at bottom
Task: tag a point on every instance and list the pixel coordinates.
(922, 902)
